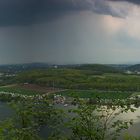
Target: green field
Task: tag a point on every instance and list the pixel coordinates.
(18, 90)
(95, 94)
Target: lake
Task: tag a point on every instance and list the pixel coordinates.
(134, 130)
(5, 111)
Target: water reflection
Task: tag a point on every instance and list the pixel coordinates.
(133, 130)
(5, 111)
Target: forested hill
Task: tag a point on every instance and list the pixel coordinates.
(33, 66)
(98, 68)
(80, 77)
(14, 68)
(134, 67)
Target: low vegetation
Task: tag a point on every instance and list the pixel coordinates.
(96, 94)
(81, 79)
(18, 90)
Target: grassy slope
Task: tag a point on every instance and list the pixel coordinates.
(18, 90)
(95, 94)
(81, 79)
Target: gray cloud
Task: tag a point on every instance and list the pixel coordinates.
(26, 12)
(132, 1)
(82, 37)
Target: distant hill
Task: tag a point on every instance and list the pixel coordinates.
(134, 67)
(14, 68)
(99, 68)
(121, 67)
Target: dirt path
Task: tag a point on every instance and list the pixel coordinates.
(12, 85)
(55, 91)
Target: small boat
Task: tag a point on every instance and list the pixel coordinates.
(65, 105)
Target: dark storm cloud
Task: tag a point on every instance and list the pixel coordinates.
(24, 12)
(18, 11)
(132, 1)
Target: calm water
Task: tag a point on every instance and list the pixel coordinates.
(5, 111)
(133, 130)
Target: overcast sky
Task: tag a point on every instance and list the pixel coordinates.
(70, 31)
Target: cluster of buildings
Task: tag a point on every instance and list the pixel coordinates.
(59, 99)
(132, 72)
